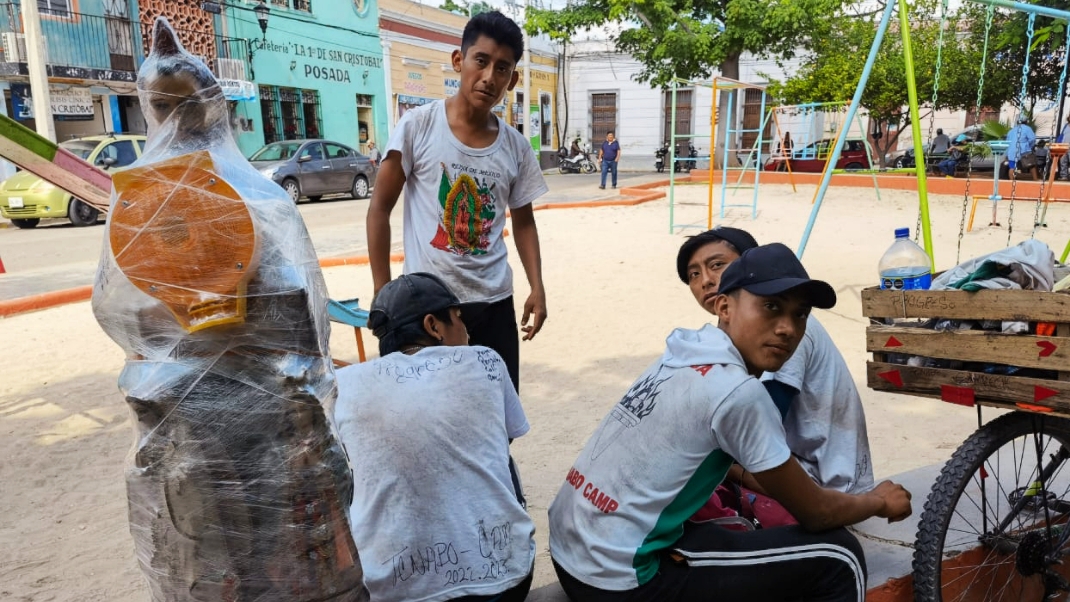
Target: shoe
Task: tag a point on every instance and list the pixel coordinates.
(614, 186)
(996, 224)
(601, 187)
(1039, 225)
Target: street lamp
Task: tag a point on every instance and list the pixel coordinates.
(262, 12)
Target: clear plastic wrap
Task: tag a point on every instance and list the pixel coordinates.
(237, 488)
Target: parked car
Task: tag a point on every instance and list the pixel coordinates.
(811, 158)
(25, 198)
(313, 168)
(971, 135)
(904, 161)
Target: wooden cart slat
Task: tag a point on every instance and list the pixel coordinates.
(1030, 306)
(967, 388)
(1050, 353)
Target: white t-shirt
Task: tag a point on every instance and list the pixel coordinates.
(826, 424)
(657, 457)
(434, 514)
(456, 197)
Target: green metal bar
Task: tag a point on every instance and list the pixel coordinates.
(915, 125)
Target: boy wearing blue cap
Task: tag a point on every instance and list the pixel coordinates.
(618, 526)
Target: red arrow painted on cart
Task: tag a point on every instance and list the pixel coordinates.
(962, 396)
(1042, 393)
(893, 377)
(1046, 348)
(893, 342)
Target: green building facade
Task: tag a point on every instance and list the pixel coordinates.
(318, 72)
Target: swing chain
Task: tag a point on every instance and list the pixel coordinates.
(932, 108)
(1049, 162)
(1021, 104)
(989, 13)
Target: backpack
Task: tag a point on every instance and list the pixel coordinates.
(740, 509)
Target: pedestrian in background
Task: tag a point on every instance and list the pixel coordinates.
(373, 153)
(609, 155)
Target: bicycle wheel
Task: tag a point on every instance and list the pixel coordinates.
(989, 530)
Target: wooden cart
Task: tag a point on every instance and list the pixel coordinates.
(970, 388)
(995, 522)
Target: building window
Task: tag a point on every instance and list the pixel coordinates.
(518, 112)
(305, 5)
(752, 120)
(310, 108)
(683, 114)
(290, 113)
(269, 112)
(603, 115)
(546, 119)
(59, 8)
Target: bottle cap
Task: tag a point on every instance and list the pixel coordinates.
(902, 232)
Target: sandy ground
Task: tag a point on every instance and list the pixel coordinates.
(613, 297)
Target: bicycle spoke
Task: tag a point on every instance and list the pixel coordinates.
(1001, 511)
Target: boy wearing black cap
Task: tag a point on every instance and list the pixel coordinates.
(824, 420)
(427, 429)
(618, 526)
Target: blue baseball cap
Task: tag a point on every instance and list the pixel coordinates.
(771, 270)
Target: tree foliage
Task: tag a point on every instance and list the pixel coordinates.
(840, 51)
(466, 8)
(690, 39)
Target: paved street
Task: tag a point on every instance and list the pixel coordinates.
(57, 255)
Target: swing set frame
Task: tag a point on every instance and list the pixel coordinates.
(915, 122)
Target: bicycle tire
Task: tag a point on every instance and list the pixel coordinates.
(962, 470)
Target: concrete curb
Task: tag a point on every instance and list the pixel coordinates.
(45, 300)
(51, 299)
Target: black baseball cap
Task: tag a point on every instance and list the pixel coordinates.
(771, 270)
(740, 239)
(408, 299)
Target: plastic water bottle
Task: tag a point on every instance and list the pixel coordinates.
(905, 265)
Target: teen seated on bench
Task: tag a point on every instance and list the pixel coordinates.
(618, 526)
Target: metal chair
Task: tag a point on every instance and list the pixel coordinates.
(349, 312)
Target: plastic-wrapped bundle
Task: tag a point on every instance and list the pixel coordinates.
(237, 488)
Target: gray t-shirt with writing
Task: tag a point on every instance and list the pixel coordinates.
(456, 198)
(434, 513)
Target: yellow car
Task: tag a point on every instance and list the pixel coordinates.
(26, 198)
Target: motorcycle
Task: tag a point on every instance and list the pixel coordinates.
(578, 163)
(682, 163)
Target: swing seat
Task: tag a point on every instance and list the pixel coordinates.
(349, 312)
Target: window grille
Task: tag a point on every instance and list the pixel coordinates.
(603, 116)
(310, 106)
(270, 114)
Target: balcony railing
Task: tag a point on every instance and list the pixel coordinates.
(111, 48)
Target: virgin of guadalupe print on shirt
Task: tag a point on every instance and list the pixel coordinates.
(468, 211)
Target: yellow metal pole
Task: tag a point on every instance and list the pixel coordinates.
(713, 145)
(915, 122)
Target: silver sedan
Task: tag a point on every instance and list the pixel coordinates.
(313, 168)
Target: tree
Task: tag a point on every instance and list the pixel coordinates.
(838, 55)
(468, 9)
(840, 51)
(453, 7)
(691, 39)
